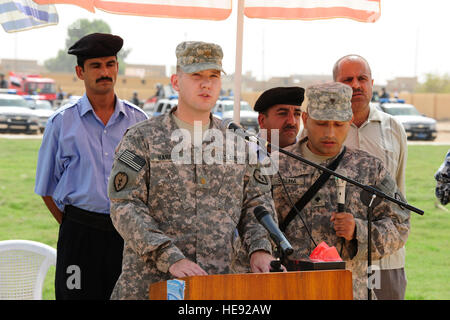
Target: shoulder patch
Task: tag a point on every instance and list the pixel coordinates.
(260, 177)
(120, 181)
(133, 161)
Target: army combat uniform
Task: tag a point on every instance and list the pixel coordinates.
(442, 177)
(330, 102)
(167, 211)
(390, 225)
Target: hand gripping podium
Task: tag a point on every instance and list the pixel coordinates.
(299, 285)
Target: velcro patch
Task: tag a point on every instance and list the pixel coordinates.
(133, 161)
(120, 181)
(260, 177)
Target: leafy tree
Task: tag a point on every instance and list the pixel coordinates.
(64, 62)
(435, 84)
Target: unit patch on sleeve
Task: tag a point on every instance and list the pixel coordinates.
(260, 177)
(120, 181)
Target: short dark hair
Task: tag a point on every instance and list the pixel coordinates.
(349, 56)
(80, 62)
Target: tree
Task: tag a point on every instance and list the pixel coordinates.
(435, 84)
(64, 62)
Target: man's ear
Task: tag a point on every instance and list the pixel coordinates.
(261, 118)
(174, 82)
(304, 117)
(80, 72)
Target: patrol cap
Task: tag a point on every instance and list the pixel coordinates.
(96, 45)
(194, 56)
(330, 101)
(280, 95)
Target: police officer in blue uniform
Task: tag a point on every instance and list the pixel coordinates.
(74, 164)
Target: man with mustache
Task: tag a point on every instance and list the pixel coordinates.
(73, 168)
(327, 120)
(383, 136)
(279, 109)
(279, 114)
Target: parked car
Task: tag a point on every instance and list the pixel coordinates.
(160, 107)
(43, 109)
(417, 125)
(68, 100)
(224, 109)
(16, 116)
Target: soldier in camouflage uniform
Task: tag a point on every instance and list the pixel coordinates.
(177, 215)
(327, 121)
(442, 177)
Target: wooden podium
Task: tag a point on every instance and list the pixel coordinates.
(299, 285)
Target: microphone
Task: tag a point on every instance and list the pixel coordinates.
(275, 233)
(340, 184)
(228, 124)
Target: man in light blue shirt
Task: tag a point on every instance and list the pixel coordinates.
(75, 160)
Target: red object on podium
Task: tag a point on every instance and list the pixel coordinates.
(302, 285)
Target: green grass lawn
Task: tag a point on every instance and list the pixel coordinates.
(23, 215)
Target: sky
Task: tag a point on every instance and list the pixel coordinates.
(409, 39)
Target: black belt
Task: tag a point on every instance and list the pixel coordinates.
(88, 218)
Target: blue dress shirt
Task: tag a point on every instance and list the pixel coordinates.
(77, 153)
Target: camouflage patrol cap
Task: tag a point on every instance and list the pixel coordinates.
(193, 56)
(330, 101)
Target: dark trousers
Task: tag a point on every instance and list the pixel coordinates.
(393, 285)
(89, 256)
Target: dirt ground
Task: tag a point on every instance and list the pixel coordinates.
(443, 128)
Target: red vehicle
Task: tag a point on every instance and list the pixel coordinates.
(33, 85)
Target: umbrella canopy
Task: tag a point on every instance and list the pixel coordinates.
(188, 9)
(359, 10)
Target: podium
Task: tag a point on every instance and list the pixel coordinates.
(299, 285)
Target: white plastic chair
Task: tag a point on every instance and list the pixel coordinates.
(23, 267)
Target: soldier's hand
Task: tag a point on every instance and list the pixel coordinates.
(260, 261)
(344, 224)
(186, 268)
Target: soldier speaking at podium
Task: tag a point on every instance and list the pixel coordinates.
(177, 218)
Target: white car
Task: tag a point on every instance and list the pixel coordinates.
(16, 116)
(160, 107)
(43, 109)
(417, 125)
(224, 109)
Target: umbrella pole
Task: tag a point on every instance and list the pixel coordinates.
(238, 67)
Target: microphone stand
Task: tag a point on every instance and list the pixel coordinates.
(369, 189)
(369, 193)
(275, 265)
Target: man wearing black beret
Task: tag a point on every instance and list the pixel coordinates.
(74, 164)
(279, 109)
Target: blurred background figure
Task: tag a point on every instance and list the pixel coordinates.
(442, 177)
(135, 99)
(3, 81)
